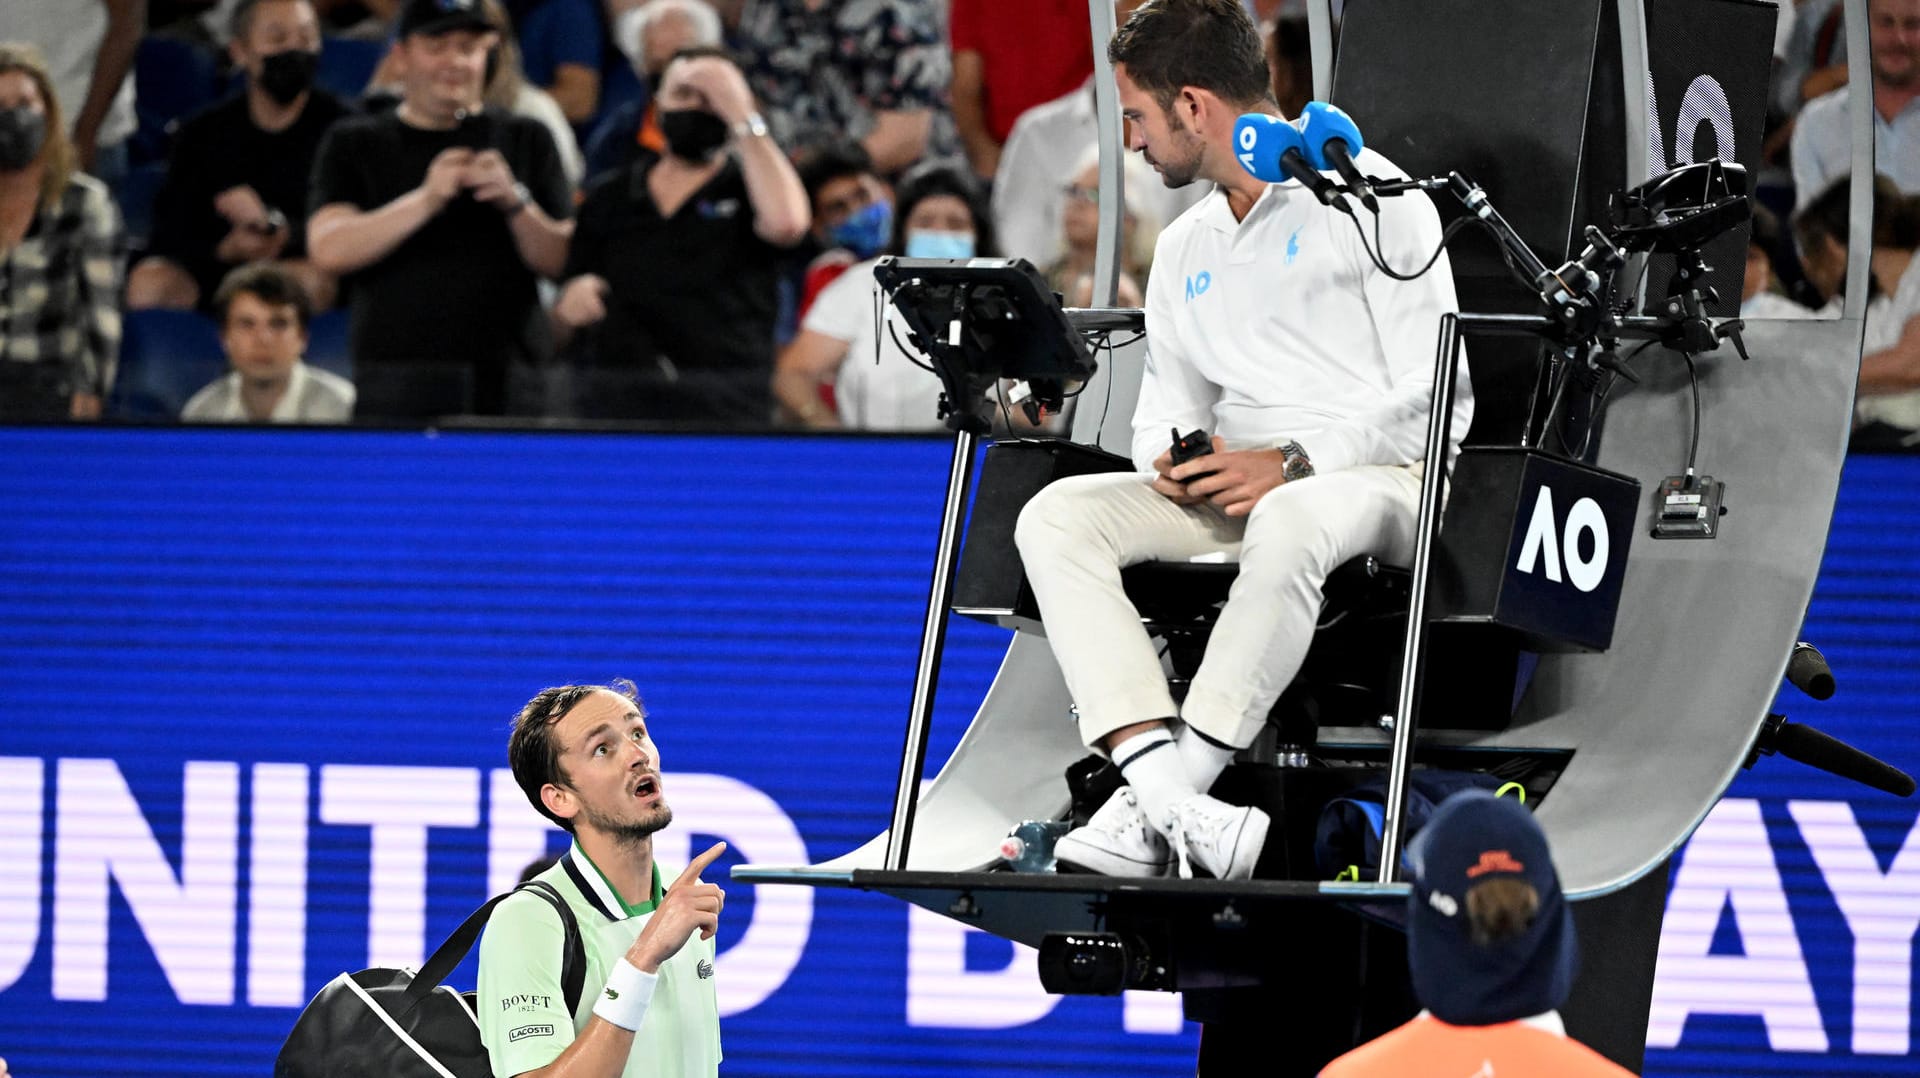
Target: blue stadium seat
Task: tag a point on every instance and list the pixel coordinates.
(165, 357)
(327, 343)
(136, 198)
(172, 79)
(347, 65)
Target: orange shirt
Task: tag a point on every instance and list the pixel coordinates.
(1429, 1048)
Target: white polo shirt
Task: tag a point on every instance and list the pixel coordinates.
(1279, 327)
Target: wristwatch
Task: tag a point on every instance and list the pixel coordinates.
(1297, 465)
(522, 199)
(754, 126)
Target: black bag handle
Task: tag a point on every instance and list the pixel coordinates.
(573, 962)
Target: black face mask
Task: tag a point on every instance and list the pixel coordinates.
(693, 134)
(22, 133)
(288, 74)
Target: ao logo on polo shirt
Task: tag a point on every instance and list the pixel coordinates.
(1198, 284)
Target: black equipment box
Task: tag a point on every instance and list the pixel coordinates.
(1535, 543)
(991, 584)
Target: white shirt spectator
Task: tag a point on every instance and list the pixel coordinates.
(1887, 317)
(890, 392)
(1775, 305)
(312, 396)
(1039, 159)
(1822, 147)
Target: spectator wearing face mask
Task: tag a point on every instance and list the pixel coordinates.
(939, 213)
(852, 212)
(60, 251)
(236, 189)
(648, 36)
(672, 277)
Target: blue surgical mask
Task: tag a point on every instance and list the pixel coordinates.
(865, 233)
(925, 243)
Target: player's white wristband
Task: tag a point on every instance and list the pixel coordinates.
(624, 1000)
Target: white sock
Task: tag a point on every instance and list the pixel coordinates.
(1152, 766)
(1203, 759)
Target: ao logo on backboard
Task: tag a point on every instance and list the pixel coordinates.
(1549, 545)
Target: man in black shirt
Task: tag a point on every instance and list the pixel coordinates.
(673, 271)
(441, 217)
(236, 189)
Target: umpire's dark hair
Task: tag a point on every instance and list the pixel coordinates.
(268, 283)
(1209, 44)
(947, 177)
(822, 163)
(532, 753)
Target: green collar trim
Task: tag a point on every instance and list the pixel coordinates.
(657, 892)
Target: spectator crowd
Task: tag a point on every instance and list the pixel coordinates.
(663, 210)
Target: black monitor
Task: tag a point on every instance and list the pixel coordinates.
(981, 319)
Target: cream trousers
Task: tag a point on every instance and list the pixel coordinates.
(1078, 533)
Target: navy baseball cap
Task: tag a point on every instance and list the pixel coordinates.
(1473, 837)
(432, 17)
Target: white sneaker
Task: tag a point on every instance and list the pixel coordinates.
(1223, 839)
(1117, 841)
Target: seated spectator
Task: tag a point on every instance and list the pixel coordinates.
(1492, 950)
(874, 71)
(1887, 401)
(1072, 275)
(852, 212)
(1047, 143)
(561, 45)
(1761, 295)
(263, 314)
(1822, 145)
(440, 217)
(876, 385)
(676, 263)
(648, 36)
(60, 250)
(1004, 66)
(236, 189)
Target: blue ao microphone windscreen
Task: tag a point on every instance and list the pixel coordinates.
(1320, 123)
(1261, 140)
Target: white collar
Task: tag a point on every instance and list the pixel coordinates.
(285, 410)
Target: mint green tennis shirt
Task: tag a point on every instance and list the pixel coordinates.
(523, 1014)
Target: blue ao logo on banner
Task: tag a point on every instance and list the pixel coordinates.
(257, 698)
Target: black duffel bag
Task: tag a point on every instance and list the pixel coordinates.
(393, 1023)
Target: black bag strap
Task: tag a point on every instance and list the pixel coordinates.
(573, 961)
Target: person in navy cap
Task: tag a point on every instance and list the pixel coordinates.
(1491, 945)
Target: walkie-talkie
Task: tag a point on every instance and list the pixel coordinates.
(1193, 446)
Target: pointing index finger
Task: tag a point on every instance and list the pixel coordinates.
(699, 864)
